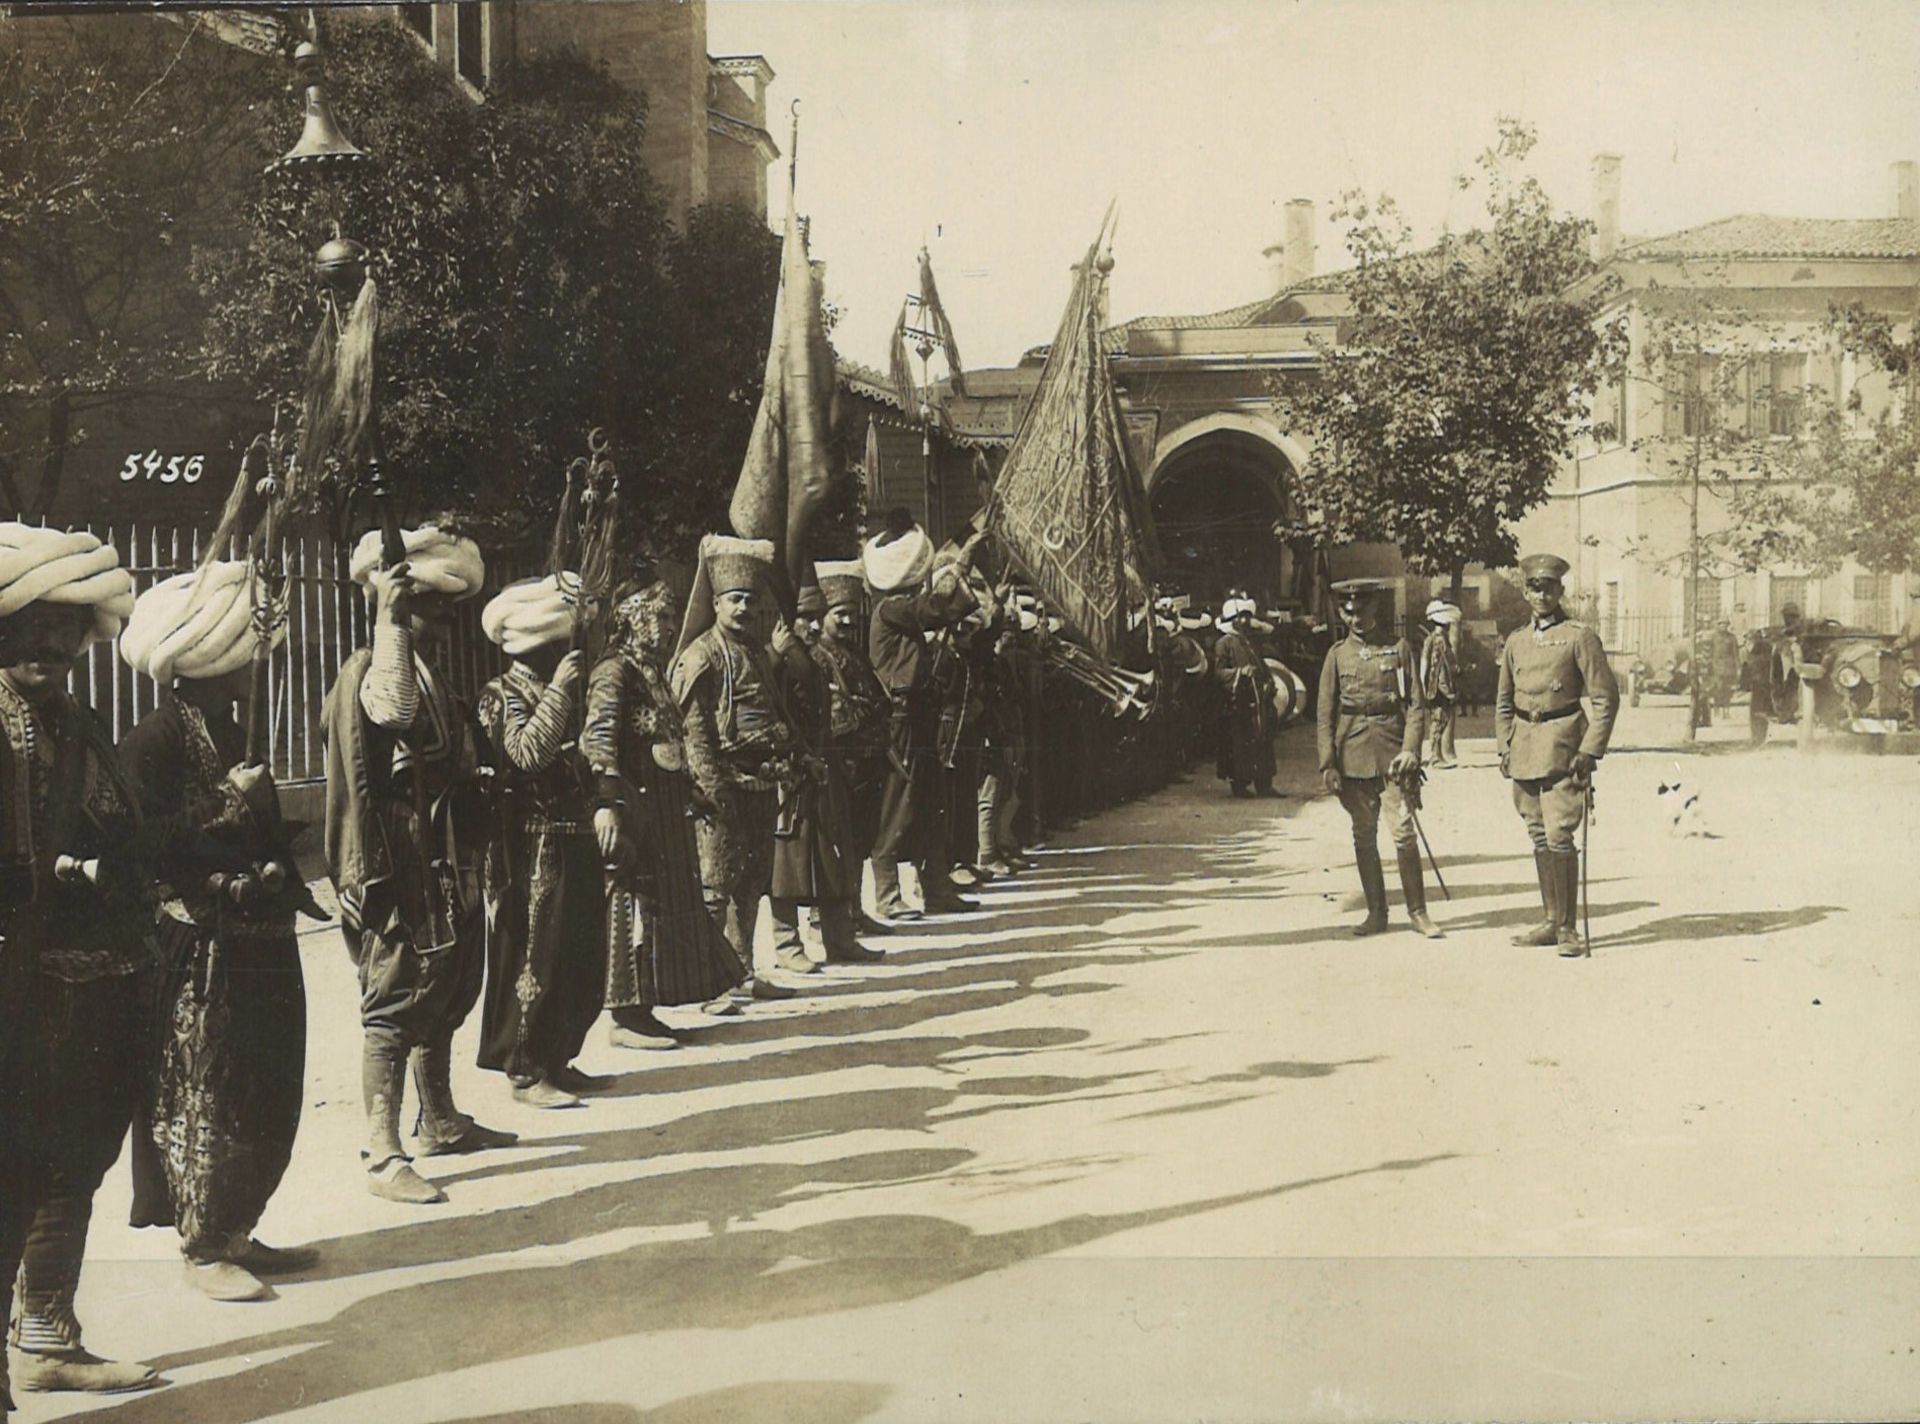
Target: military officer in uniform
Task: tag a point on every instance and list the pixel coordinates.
(1371, 715)
(1548, 746)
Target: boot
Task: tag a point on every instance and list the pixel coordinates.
(939, 893)
(390, 1174)
(988, 854)
(868, 925)
(887, 898)
(1373, 880)
(836, 935)
(1414, 887)
(1567, 902)
(442, 1129)
(789, 952)
(1547, 931)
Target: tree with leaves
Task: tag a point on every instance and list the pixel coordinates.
(121, 150)
(1440, 415)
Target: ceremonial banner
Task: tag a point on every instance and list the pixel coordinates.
(1068, 510)
(788, 470)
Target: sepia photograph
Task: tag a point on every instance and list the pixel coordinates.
(960, 711)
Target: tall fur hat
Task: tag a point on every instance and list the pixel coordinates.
(55, 567)
(195, 626)
(440, 562)
(736, 563)
(532, 613)
(842, 583)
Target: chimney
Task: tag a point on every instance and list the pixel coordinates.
(1606, 205)
(1296, 253)
(1276, 256)
(1905, 189)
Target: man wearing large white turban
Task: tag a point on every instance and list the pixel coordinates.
(217, 1130)
(405, 814)
(912, 605)
(72, 950)
(546, 895)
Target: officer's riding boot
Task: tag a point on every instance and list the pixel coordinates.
(442, 1129)
(1548, 930)
(937, 889)
(1567, 902)
(1414, 887)
(887, 898)
(390, 1174)
(1373, 880)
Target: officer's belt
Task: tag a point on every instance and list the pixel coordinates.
(1387, 708)
(1551, 716)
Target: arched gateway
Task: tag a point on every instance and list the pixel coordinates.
(1218, 485)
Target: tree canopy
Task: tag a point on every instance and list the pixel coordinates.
(1440, 414)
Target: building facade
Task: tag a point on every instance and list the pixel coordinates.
(1732, 354)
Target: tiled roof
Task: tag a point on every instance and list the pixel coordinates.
(1758, 235)
(866, 381)
(1244, 315)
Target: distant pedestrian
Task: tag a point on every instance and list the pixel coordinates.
(1440, 681)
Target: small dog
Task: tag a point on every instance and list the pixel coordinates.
(1682, 808)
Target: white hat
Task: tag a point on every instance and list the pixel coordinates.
(195, 625)
(439, 562)
(895, 562)
(53, 566)
(1441, 611)
(531, 613)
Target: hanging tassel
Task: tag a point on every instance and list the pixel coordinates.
(337, 409)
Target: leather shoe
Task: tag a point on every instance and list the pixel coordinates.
(796, 961)
(79, 1371)
(950, 904)
(998, 868)
(648, 1032)
(265, 1260)
(855, 954)
(1423, 924)
(542, 1094)
(398, 1182)
(225, 1281)
(1539, 937)
(870, 926)
(724, 1007)
(769, 992)
(570, 1079)
(474, 1139)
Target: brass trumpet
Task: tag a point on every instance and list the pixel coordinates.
(1126, 691)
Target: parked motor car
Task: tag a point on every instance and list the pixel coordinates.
(1863, 682)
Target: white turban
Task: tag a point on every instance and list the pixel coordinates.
(53, 566)
(194, 627)
(1234, 607)
(440, 562)
(532, 613)
(902, 562)
(1441, 611)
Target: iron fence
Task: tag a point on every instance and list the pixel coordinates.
(326, 621)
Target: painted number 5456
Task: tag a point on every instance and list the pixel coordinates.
(168, 469)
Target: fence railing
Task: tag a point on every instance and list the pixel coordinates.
(326, 621)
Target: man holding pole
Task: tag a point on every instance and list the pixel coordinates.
(1548, 746)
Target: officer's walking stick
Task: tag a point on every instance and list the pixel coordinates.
(1586, 826)
(1410, 789)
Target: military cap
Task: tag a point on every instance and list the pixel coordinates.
(1354, 589)
(1543, 566)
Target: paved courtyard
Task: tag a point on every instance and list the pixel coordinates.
(1154, 1139)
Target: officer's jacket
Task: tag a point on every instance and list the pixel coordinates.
(1370, 707)
(1538, 721)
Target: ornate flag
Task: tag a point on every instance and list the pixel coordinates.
(1068, 510)
(788, 470)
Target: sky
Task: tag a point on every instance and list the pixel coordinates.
(997, 131)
